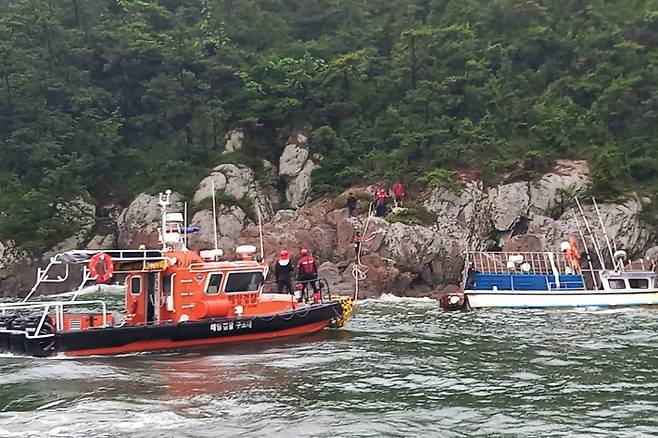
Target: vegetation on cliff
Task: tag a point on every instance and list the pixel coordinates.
(113, 97)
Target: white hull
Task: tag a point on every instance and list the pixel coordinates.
(545, 299)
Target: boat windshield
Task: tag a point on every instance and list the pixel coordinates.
(244, 281)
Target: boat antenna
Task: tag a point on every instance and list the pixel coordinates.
(582, 239)
(605, 234)
(163, 201)
(591, 235)
(260, 233)
(214, 214)
(185, 229)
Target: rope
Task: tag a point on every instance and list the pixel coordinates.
(359, 270)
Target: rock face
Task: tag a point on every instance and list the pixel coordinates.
(402, 259)
(238, 182)
(138, 224)
(234, 141)
(230, 222)
(295, 167)
(16, 270)
(82, 215)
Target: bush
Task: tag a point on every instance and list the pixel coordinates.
(444, 179)
(609, 174)
(415, 214)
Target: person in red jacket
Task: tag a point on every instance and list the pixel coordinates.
(307, 270)
(357, 243)
(398, 194)
(380, 202)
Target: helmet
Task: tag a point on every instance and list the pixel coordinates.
(303, 251)
(283, 254)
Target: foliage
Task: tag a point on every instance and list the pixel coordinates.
(414, 214)
(443, 178)
(609, 174)
(114, 97)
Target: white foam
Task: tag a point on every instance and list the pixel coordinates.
(397, 299)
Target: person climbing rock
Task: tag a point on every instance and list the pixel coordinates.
(356, 241)
(351, 204)
(283, 273)
(398, 194)
(307, 270)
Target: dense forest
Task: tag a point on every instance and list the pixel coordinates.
(107, 98)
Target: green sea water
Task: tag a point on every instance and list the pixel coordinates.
(401, 368)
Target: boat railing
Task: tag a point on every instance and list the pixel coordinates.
(149, 259)
(55, 309)
(518, 262)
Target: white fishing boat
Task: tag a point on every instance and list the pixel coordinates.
(554, 280)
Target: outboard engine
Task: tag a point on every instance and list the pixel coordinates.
(453, 301)
(5, 324)
(17, 340)
(42, 346)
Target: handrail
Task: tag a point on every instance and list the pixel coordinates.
(58, 308)
(233, 265)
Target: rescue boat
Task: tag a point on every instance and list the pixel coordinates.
(174, 298)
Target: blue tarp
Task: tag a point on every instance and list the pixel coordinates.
(530, 282)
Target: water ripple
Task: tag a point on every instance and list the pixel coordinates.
(403, 368)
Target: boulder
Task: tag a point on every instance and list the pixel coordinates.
(17, 270)
(296, 167)
(238, 182)
(82, 216)
(234, 141)
(103, 242)
(138, 224)
(230, 222)
(554, 189)
(622, 222)
(525, 243)
(509, 204)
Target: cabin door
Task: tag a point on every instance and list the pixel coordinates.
(151, 295)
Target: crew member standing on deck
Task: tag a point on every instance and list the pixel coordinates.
(283, 273)
(470, 276)
(307, 270)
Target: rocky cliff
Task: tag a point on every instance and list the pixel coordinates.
(416, 260)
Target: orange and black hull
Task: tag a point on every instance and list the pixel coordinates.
(168, 336)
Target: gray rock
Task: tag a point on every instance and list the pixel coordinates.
(295, 167)
(138, 224)
(234, 141)
(509, 204)
(230, 222)
(104, 242)
(568, 177)
(239, 182)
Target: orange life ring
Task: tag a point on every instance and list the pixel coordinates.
(101, 267)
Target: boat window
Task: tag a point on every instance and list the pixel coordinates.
(639, 283)
(617, 283)
(214, 283)
(136, 285)
(166, 285)
(244, 281)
